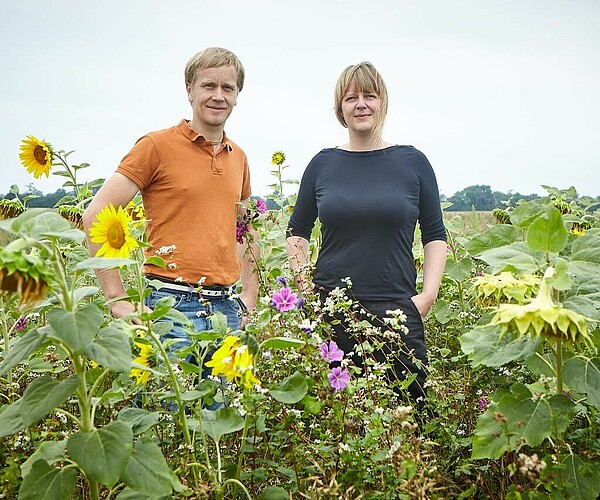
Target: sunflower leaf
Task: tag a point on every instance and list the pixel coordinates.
(102, 453)
(44, 481)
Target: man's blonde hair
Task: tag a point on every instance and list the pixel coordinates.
(366, 79)
(214, 57)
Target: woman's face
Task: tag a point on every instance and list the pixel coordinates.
(360, 110)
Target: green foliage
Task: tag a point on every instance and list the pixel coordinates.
(509, 415)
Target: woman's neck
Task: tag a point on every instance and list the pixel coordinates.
(365, 143)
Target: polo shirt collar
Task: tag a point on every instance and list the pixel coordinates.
(193, 136)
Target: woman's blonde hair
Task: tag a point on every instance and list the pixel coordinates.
(214, 57)
(366, 79)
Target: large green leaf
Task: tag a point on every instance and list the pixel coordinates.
(44, 482)
(138, 419)
(48, 451)
(84, 292)
(485, 345)
(129, 494)
(102, 453)
(515, 257)
(76, 329)
(282, 343)
(291, 390)
(147, 471)
(517, 419)
(23, 348)
(43, 223)
(111, 348)
(102, 263)
(496, 236)
(583, 375)
(524, 214)
(221, 422)
(443, 311)
(586, 248)
(548, 233)
(41, 397)
(458, 271)
(274, 493)
(577, 477)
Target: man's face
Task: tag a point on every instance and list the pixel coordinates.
(213, 95)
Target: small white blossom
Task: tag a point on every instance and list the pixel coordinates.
(165, 250)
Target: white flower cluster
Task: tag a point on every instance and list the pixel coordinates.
(530, 466)
(165, 250)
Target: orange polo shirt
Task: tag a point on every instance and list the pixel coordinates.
(191, 197)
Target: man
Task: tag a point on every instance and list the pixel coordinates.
(194, 182)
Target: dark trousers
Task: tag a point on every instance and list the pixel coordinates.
(406, 355)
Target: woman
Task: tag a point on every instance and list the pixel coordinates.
(368, 195)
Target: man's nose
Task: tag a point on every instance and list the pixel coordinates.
(218, 94)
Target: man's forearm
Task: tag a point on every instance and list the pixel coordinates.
(250, 258)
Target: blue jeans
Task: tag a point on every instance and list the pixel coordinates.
(197, 309)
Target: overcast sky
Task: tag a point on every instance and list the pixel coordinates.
(500, 92)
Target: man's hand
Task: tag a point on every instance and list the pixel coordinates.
(122, 309)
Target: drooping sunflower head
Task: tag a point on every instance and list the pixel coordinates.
(543, 317)
(9, 209)
(36, 156)
(25, 275)
(501, 215)
(72, 214)
(505, 287)
(111, 230)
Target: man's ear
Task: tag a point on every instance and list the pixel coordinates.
(188, 88)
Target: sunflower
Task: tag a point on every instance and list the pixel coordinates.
(25, 275)
(9, 209)
(36, 156)
(278, 158)
(235, 361)
(543, 317)
(146, 358)
(112, 231)
(72, 214)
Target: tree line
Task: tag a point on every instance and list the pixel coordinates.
(477, 197)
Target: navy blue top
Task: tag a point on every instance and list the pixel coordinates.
(368, 203)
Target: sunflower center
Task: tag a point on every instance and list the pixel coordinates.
(115, 236)
(40, 154)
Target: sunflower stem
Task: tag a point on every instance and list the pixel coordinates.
(72, 175)
(6, 335)
(558, 354)
(559, 363)
(241, 453)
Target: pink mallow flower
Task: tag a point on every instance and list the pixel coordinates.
(331, 352)
(21, 323)
(338, 378)
(261, 206)
(284, 299)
